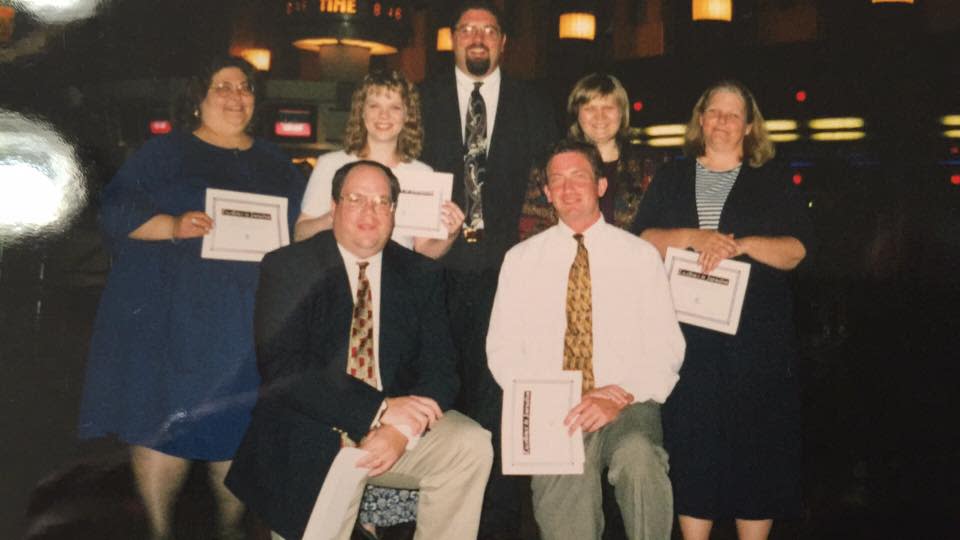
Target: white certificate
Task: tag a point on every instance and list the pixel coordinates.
(711, 300)
(418, 208)
(330, 510)
(245, 225)
(533, 437)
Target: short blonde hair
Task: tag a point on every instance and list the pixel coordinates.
(757, 146)
(410, 140)
(593, 86)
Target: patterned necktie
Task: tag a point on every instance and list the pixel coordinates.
(361, 362)
(578, 339)
(473, 163)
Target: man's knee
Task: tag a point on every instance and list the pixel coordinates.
(637, 457)
(473, 441)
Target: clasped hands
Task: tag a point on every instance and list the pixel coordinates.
(714, 246)
(385, 444)
(597, 408)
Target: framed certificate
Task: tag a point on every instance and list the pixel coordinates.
(245, 225)
(711, 300)
(418, 209)
(534, 439)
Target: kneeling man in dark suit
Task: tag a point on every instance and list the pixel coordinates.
(354, 348)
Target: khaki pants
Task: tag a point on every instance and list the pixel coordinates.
(449, 466)
(631, 448)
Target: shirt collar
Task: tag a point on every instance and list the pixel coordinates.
(591, 231)
(466, 81)
(350, 260)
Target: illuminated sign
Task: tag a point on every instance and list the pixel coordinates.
(294, 122)
(380, 25)
(160, 127)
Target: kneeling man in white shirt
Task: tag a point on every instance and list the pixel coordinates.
(585, 295)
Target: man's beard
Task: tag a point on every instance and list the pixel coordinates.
(478, 66)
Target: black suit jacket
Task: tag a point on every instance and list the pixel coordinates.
(302, 321)
(523, 129)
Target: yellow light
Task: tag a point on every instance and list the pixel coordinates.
(950, 120)
(784, 137)
(891, 1)
(376, 48)
(578, 26)
(833, 136)
(444, 40)
(712, 10)
(665, 141)
(952, 133)
(836, 123)
(259, 58)
(665, 129)
(780, 125)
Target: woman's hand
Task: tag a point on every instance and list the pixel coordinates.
(452, 218)
(191, 224)
(713, 247)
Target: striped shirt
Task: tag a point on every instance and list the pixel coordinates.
(712, 190)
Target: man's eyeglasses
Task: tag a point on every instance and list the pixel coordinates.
(224, 89)
(469, 30)
(356, 201)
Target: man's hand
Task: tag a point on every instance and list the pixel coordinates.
(384, 445)
(416, 412)
(598, 408)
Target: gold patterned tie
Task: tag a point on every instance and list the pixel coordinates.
(361, 361)
(578, 339)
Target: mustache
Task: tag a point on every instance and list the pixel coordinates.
(479, 46)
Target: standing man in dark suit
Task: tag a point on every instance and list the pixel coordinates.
(488, 130)
(377, 372)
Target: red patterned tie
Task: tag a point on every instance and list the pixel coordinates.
(361, 362)
(578, 339)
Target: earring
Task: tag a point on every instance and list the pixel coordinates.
(196, 113)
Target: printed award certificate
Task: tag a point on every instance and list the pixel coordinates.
(245, 225)
(418, 208)
(712, 300)
(534, 439)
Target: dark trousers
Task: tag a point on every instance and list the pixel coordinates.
(470, 301)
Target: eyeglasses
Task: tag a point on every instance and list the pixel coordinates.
(469, 30)
(357, 201)
(225, 89)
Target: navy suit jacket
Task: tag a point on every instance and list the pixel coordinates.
(523, 129)
(302, 321)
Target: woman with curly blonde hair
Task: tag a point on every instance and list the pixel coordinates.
(384, 126)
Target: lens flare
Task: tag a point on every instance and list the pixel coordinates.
(41, 182)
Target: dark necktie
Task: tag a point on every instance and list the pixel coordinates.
(473, 163)
(578, 339)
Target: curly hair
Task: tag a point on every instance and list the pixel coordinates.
(593, 86)
(757, 146)
(410, 140)
(186, 109)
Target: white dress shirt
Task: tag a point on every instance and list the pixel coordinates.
(637, 342)
(490, 91)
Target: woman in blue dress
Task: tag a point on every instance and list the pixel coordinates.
(172, 369)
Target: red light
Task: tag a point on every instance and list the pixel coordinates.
(954, 150)
(292, 129)
(637, 106)
(797, 179)
(160, 127)
(955, 179)
(800, 96)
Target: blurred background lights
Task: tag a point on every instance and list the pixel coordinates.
(41, 183)
(58, 11)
